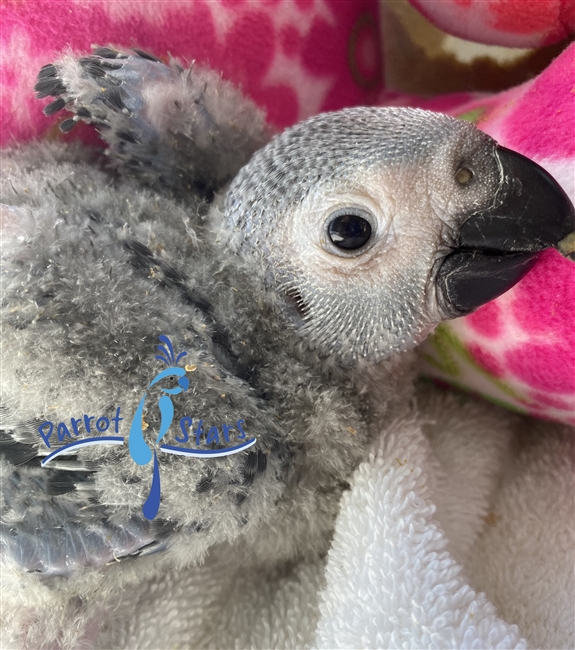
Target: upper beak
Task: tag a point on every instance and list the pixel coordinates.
(499, 245)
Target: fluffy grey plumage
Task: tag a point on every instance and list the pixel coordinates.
(304, 339)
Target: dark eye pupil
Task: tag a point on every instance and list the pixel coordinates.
(349, 231)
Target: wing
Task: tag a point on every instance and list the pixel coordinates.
(93, 271)
(52, 523)
(91, 275)
(176, 130)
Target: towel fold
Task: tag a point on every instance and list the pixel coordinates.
(457, 532)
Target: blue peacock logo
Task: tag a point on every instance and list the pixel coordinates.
(140, 451)
(139, 448)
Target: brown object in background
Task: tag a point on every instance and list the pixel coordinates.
(419, 58)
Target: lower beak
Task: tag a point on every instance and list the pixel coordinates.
(499, 245)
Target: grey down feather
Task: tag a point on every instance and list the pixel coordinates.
(298, 272)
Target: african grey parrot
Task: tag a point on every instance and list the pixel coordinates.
(297, 272)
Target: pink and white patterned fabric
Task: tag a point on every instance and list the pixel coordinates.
(519, 350)
(513, 23)
(295, 58)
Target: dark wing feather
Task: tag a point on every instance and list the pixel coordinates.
(52, 524)
(180, 131)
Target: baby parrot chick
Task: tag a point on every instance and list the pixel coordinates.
(298, 271)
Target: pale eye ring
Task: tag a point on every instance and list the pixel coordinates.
(464, 176)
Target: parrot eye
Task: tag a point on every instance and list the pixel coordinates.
(463, 176)
(349, 230)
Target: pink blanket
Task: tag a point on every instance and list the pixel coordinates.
(300, 57)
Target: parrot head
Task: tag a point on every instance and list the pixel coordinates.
(378, 223)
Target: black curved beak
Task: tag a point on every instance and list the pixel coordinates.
(499, 245)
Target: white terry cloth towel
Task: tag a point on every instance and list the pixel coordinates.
(457, 532)
(459, 539)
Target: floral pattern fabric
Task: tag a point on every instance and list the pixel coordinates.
(519, 350)
(296, 58)
(512, 23)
